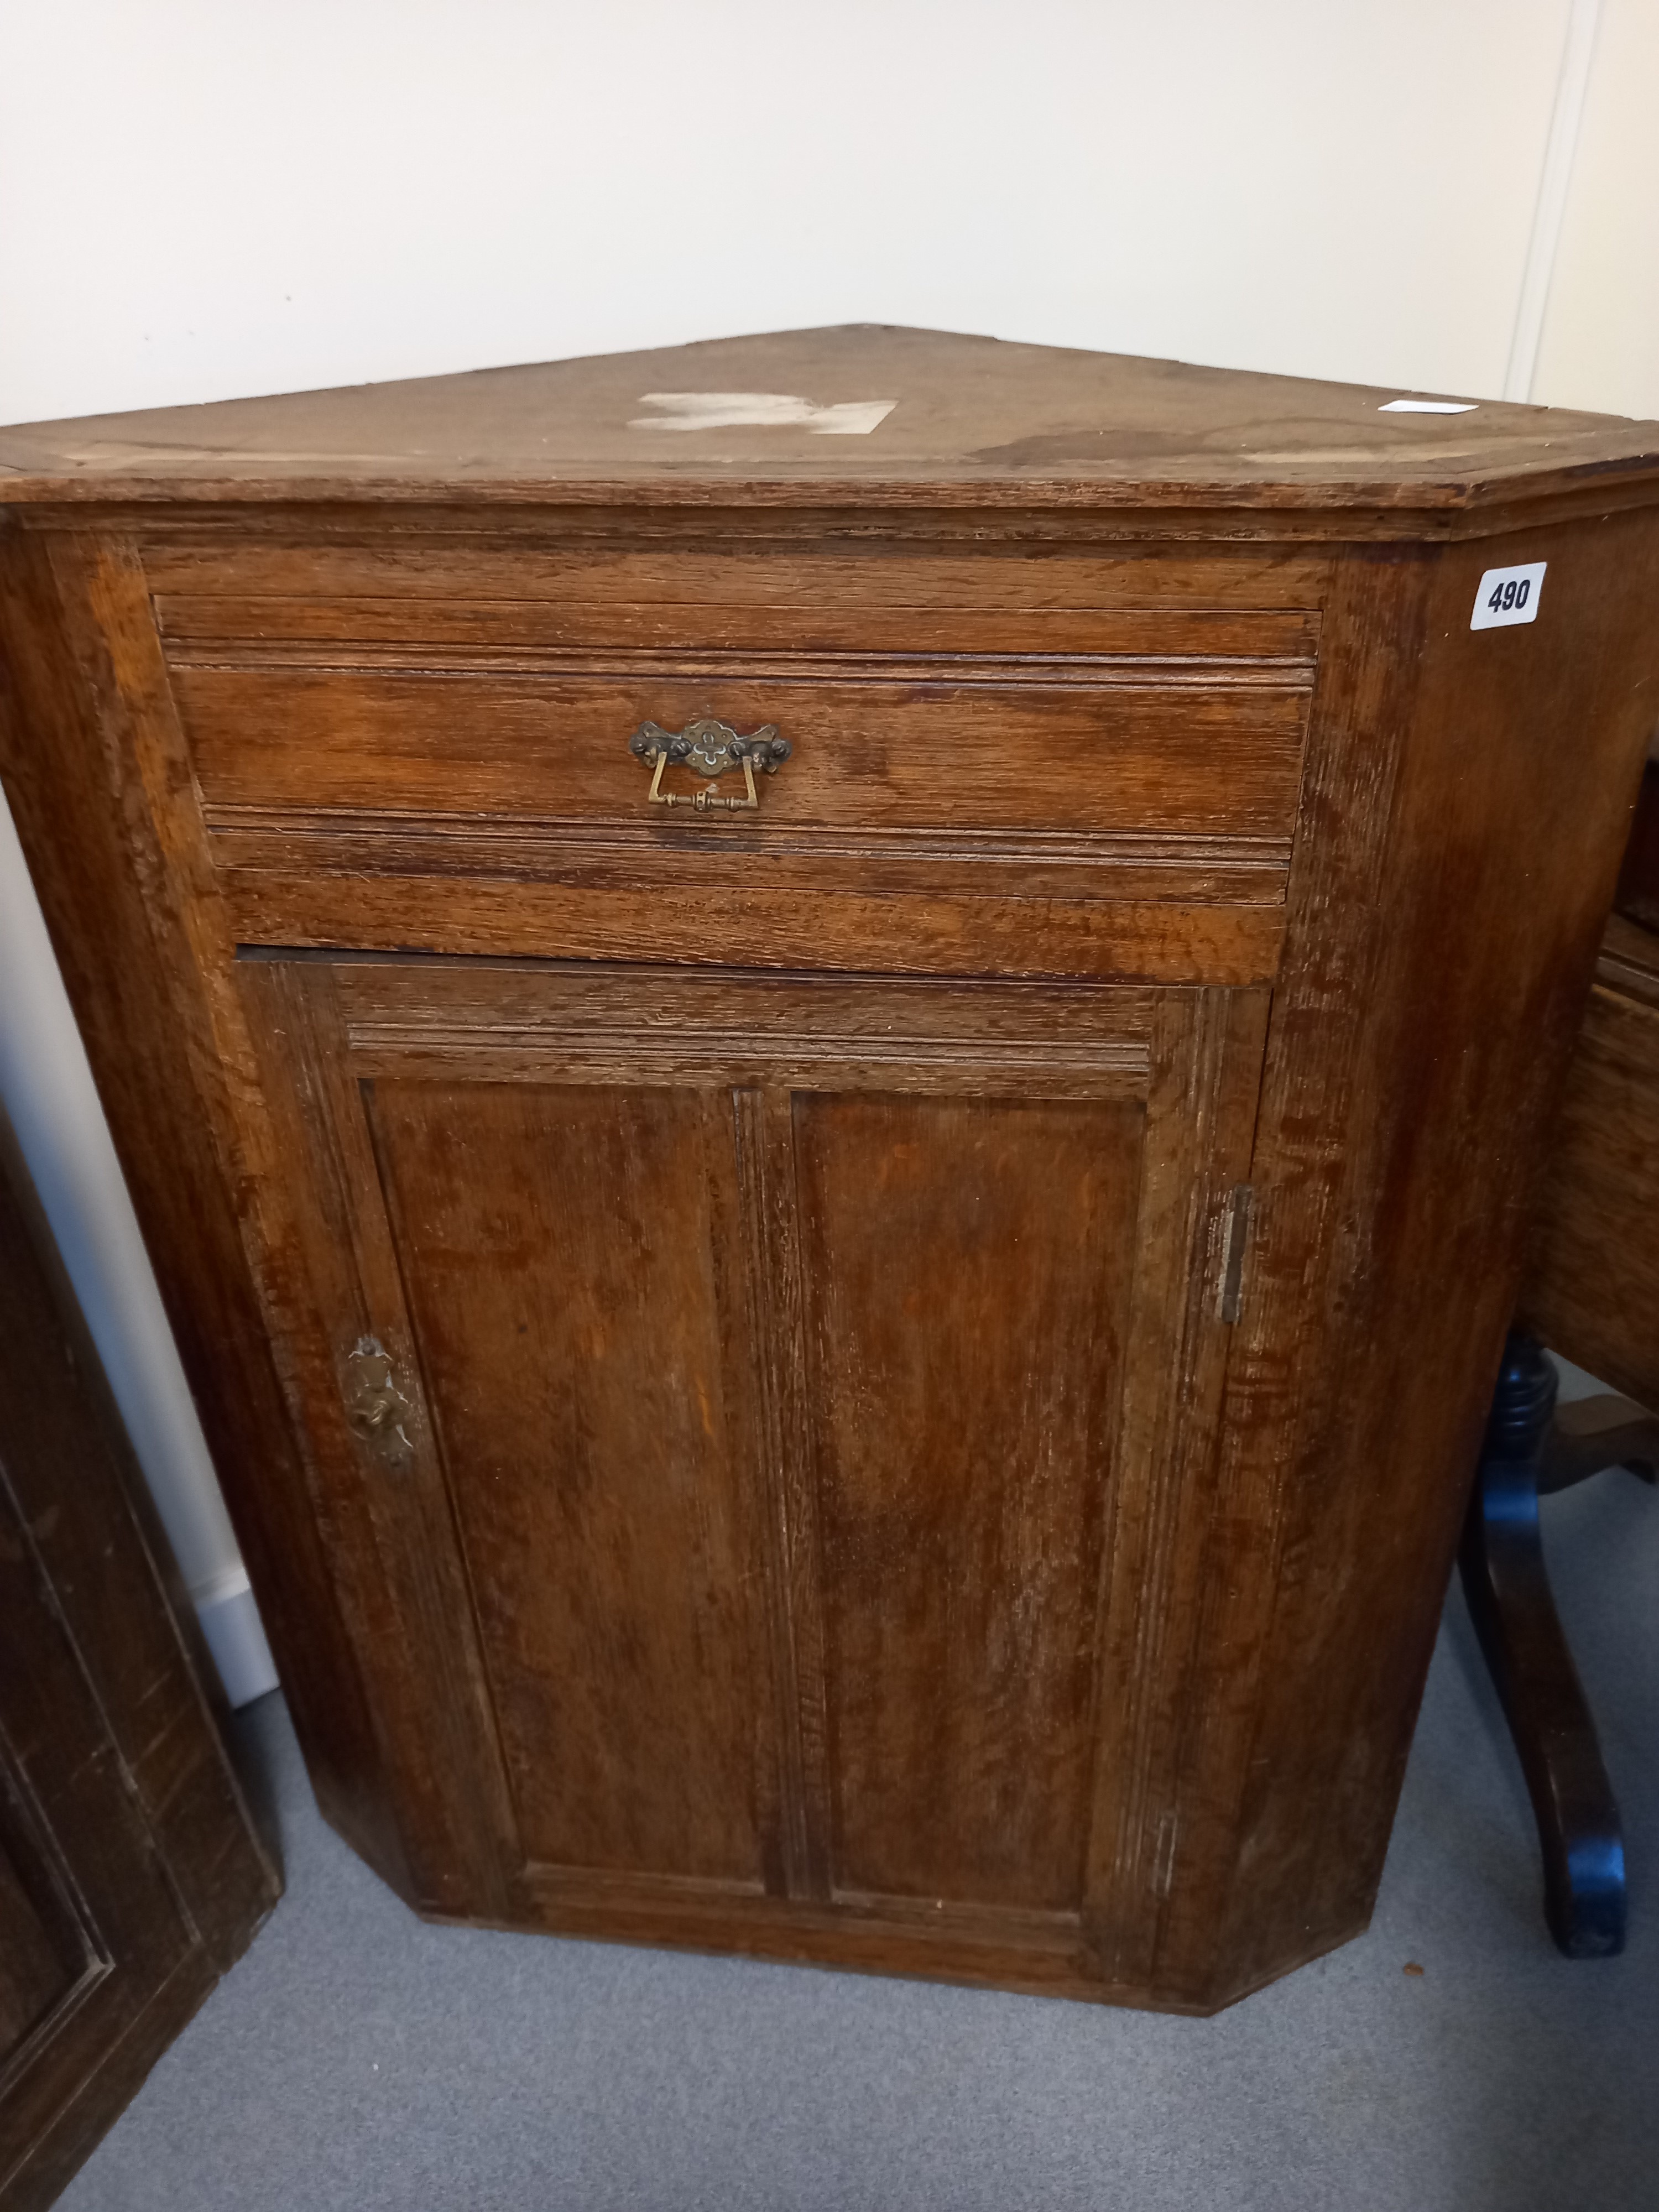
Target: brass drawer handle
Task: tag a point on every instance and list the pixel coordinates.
(709, 748)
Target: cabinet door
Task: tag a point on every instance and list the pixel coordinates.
(130, 1877)
(755, 1414)
(92, 1935)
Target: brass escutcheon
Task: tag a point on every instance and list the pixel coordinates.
(709, 748)
(376, 1408)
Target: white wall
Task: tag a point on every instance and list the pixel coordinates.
(47, 1088)
(199, 202)
(1601, 340)
(208, 200)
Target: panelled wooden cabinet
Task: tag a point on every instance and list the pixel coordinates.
(131, 1876)
(835, 1097)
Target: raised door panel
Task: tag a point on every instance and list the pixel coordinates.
(571, 1267)
(751, 1410)
(43, 1953)
(91, 1931)
(967, 1266)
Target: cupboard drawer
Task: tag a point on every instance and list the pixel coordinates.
(965, 785)
(986, 751)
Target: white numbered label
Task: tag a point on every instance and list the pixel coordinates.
(1508, 595)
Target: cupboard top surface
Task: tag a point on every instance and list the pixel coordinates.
(864, 412)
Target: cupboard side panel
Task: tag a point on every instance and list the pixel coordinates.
(1519, 757)
(98, 782)
(1284, 1375)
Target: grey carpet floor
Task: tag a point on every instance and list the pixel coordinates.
(357, 2058)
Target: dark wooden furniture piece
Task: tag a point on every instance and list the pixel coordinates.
(130, 1877)
(1591, 1291)
(1591, 1287)
(883, 1373)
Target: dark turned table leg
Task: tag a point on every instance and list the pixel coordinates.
(1502, 1561)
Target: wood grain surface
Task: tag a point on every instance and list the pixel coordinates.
(130, 1875)
(890, 1381)
(767, 1342)
(971, 416)
(1592, 1285)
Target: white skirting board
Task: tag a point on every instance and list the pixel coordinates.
(236, 1637)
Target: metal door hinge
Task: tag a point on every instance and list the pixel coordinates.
(1235, 1241)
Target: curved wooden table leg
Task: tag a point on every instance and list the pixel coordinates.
(1502, 1561)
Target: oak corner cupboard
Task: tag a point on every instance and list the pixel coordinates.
(831, 1047)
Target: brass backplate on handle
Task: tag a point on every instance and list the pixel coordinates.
(708, 749)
